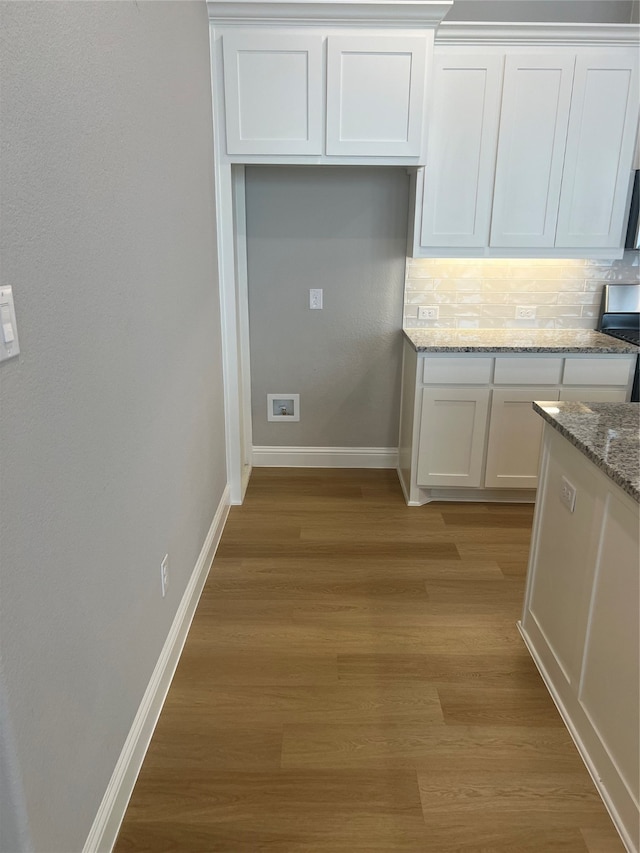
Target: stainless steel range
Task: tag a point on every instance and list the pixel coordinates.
(620, 318)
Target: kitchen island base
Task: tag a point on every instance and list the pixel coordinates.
(580, 619)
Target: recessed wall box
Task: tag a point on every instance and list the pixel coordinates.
(283, 407)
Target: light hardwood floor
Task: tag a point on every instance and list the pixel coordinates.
(354, 681)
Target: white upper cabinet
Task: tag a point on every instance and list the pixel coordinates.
(375, 95)
(533, 132)
(273, 92)
(536, 161)
(599, 153)
(463, 135)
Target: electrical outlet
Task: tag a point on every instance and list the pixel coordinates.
(164, 574)
(525, 312)
(428, 312)
(568, 494)
(315, 298)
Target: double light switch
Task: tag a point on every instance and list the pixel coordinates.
(9, 345)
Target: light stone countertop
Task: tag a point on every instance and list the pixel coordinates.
(516, 340)
(607, 433)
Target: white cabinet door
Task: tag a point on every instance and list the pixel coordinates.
(599, 153)
(453, 429)
(463, 135)
(375, 95)
(533, 128)
(515, 434)
(273, 92)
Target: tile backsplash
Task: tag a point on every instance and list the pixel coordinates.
(484, 293)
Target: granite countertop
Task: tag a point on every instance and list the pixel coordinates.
(516, 340)
(607, 433)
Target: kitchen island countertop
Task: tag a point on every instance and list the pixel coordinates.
(516, 340)
(607, 433)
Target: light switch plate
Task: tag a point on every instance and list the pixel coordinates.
(9, 344)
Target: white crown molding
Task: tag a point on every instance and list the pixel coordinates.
(461, 32)
(425, 14)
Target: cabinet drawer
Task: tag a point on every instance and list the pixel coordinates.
(528, 370)
(465, 370)
(597, 371)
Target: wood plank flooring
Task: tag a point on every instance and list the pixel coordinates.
(354, 681)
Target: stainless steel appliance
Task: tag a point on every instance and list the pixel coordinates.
(620, 318)
(632, 240)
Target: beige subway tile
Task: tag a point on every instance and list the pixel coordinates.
(504, 311)
(504, 284)
(594, 285)
(421, 284)
(587, 298)
(559, 311)
(573, 323)
(558, 285)
(456, 284)
(417, 297)
(468, 298)
(547, 323)
(532, 298)
(590, 311)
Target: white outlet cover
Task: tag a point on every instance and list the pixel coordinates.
(283, 408)
(525, 312)
(428, 312)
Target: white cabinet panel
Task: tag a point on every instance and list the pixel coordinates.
(513, 451)
(452, 436)
(273, 92)
(599, 154)
(463, 135)
(611, 662)
(533, 128)
(375, 95)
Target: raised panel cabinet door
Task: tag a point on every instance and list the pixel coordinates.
(531, 144)
(453, 428)
(273, 92)
(375, 95)
(515, 434)
(600, 150)
(461, 155)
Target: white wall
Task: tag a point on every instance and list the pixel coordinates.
(111, 425)
(343, 230)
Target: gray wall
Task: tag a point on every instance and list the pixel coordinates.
(560, 11)
(111, 426)
(344, 230)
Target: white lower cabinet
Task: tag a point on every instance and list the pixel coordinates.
(513, 451)
(452, 436)
(468, 429)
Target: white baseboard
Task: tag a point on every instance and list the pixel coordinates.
(106, 825)
(325, 457)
